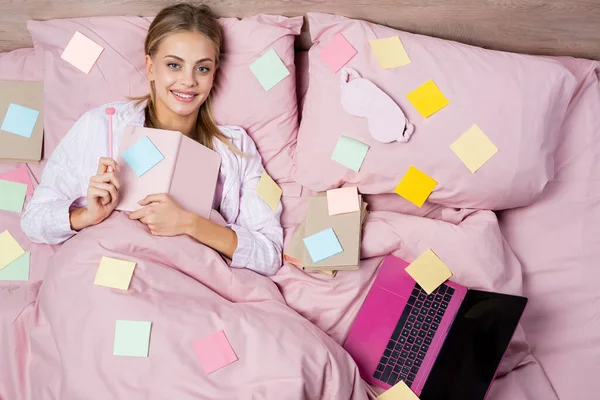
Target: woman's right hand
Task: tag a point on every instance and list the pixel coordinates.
(103, 192)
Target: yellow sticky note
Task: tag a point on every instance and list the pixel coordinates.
(114, 273)
(429, 271)
(398, 392)
(390, 52)
(474, 148)
(416, 186)
(10, 249)
(343, 200)
(428, 99)
(269, 191)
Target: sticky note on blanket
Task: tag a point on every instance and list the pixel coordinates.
(428, 99)
(398, 392)
(12, 196)
(337, 53)
(350, 152)
(343, 200)
(214, 352)
(268, 190)
(10, 249)
(390, 52)
(82, 52)
(429, 271)
(142, 156)
(269, 69)
(415, 186)
(17, 270)
(19, 175)
(322, 245)
(114, 273)
(20, 120)
(474, 148)
(132, 338)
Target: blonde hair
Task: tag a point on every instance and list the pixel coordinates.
(178, 18)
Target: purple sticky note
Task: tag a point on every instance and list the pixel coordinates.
(337, 53)
(214, 352)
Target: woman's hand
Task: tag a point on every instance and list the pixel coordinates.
(163, 216)
(103, 192)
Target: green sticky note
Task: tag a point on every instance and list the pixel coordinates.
(350, 153)
(132, 338)
(12, 196)
(269, 69)
(17, 270)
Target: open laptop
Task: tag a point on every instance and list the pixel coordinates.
(446, 345)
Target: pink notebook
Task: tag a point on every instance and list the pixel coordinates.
(188, 172)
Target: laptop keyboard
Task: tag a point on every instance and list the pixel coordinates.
(413, 335)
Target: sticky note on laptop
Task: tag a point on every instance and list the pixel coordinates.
(337, 53)
(400, 391)
(429, 271)
(142, 156)
(428, 99)
(474, 148)
(214, 352)
(416, 186)
(322, 245)
(12, 196)
(390, 52)
(20, 120)
(82, 52)
(19, 175)
(10, 249)
(17, 270)
(132, 338)
(343, 200)
(114, 273)
(268, 190)
(269, 70)
(350, 153)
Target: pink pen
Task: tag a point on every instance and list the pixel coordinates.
(110, 111)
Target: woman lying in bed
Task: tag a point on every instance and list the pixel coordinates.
(80, 187)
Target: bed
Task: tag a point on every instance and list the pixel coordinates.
(546, 248)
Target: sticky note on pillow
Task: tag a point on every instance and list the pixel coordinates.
(269, 70)
(390, 52)
(416, 186)
(269, 191)
(337, 53)
(10, 249)
(82, 52)
(429, 271)
(214, 352)
(350, 153)
(428, 99)
(323, 245)
(132, 338)
(398, 392)
(114, 273)
(12, 196)
(142, 156)
(19, 175)
(343, 200)
(17, 270)
(20, 120)
(474, 148)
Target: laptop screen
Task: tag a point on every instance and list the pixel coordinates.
(473, 349)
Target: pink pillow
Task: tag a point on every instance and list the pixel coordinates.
(519, 101)
(269, 117)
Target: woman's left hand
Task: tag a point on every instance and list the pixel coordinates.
(163, 216)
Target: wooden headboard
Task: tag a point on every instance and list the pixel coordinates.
(551, 27)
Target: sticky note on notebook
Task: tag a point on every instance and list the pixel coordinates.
(19, 175)
(400, 391)
(17, 270)
(268, 190)
(10, 249)
(428, 99)
(82, 52)
(114, 273)
(214, 352)
(337, 53)
(474, 148)
(429, 271)
(142, 156)
(350, 153)
(323, 245)
(390, 52)
(343, 200)
(20, 120)
(132, 338)
(269, 69)
(416, 186)
(12, 196)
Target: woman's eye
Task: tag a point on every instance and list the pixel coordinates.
(173, 65)
(202, 69)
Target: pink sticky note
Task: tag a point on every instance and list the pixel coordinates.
(342, 201)
(337, 53)
(82, 52)
(214, 352)
(19, 175)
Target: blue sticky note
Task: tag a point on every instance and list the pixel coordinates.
(142, 156)
(323, 245)
(20, 120)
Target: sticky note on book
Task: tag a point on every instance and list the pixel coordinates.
(269, 70)
(343, 200)
(323, 245)
(350, 152)
(142, 156)
(82, 52)
(398, 392)
(114, 273)
(268, 190)
(337, 53)
(10, 249)
(12, 196)
(214, 352)
(17, 270)
(132, 338)
(390, 52)
(19, 175)
(20, 120)
(416, 186)
(428, 99)
(429, 271)
(474, 148)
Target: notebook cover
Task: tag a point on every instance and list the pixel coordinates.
(15, 148)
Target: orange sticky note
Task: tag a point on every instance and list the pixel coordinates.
(474, 148)
(429, 271)
(268, 190)
(428, 99)
(398, 392)
(82, 52)
(114, 273)
(390, 52)
(343, 200)
(416, 186)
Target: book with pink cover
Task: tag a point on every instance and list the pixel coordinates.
(188, 172)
